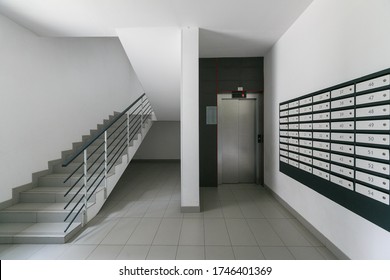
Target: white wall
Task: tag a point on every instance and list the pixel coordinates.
(155, 55)
(52, 91)
(189, 119)
(161, 142)
(333, 41)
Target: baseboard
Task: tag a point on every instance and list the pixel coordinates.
(156, 160)
(190, 209)
(328, 244)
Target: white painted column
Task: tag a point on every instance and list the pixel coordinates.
(189, 133)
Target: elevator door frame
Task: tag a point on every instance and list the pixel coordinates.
(258, 157)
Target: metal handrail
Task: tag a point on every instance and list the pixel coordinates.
(134, 117)
(80, 150)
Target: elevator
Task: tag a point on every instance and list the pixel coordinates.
(238, 139)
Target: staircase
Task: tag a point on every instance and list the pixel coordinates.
(61, 204)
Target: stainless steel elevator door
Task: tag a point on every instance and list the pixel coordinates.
(237, 129)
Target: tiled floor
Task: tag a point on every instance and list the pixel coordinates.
(142, 220)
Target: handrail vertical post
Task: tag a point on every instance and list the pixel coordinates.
(84, 218)
(128, 137)
(105, 164)
(142, 116)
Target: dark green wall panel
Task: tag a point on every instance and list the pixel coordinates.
(221, 75)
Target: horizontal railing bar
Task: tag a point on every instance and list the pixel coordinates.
(74, 207)
(123, 143)
(100, 165)
(71, 188)
(119, 134)
(112, 133)
(135, 123)
(134, 118)
(95, 180)
(71, 174)
(95, 189)
(73, 197)
(95, 150)
(118, 142)
(100, 132)
(135, 130)
(117, 159)
(135, 109)
(92, 164)
(74, 218)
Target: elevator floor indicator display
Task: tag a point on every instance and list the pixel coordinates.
(337, 142)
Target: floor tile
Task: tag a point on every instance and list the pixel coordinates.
(212, 209)
(145, 231)
(95, 232)
(239, 232)
(157, 209)
(306, 253)
(276, 253)
(168, 232)
(157, 252)
(231, 209)
(138, 209)
(288, 233)
(225, 194)
(133, 252)
(173, 210)
(270, 210)
(249, 210)
(326, 253)
(264, 233)
(50, 252)
(192, 232)
(77, 252)
(306, 233)
(247, 253)
(219, 253)
(216, 232)
(19, 252)
(190, 253)
(105, 252)
(121, 232)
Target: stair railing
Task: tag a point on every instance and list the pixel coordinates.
(99, 155)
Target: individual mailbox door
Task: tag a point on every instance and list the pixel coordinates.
(373, 111)
(374, 166)
(321, 106)
(345, 137)
(342, 182)
(376, 181)
(377, 139)
(374, 194)
(341, 148)
(321, 97)
(373, 125)
(321, 154)
(343, 125)
(346, 102)
(342, 159)
(321, 145)
(321, 164)
(372, 97)
(372, 152)
(321, 173)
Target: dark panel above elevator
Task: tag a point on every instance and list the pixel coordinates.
(221, 75)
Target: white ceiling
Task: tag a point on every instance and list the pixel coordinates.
(228, 27)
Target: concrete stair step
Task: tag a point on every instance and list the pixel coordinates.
(38, 213)
(57, 180)
(51, 195)
(37, 233)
